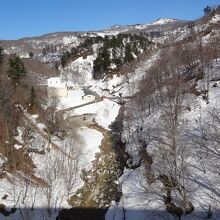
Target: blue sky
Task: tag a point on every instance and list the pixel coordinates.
(22, 18)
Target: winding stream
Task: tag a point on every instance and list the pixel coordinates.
(101, 185)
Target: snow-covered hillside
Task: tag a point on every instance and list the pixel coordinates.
(144, 200)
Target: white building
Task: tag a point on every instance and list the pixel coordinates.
(56, 87)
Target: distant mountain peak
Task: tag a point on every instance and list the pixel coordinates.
(161, 21)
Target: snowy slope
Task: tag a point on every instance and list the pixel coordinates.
(143, 201)
(162, 21)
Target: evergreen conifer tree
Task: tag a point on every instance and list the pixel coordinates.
(16, 69)
(207, 10)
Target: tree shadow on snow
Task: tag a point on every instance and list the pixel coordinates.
(99, 214)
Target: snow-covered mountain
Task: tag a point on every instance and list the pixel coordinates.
(58, 42)
(158, 25)
(161, 21)
(140, 141)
